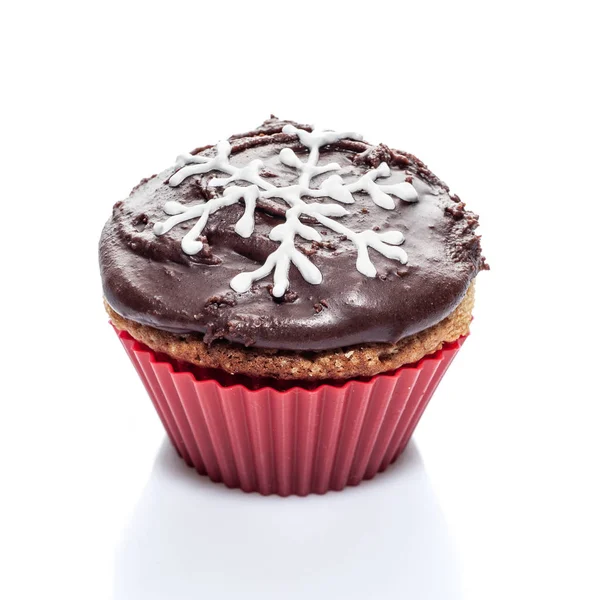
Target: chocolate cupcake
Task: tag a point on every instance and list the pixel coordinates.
(291, 298)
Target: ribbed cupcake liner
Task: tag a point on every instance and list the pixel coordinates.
(281, 438)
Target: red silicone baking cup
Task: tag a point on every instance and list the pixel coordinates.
(281, 438)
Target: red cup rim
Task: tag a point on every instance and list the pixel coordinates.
(141, 348)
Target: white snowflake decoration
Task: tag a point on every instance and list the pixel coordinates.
(279, 261)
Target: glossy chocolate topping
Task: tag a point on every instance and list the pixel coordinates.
(150, 280)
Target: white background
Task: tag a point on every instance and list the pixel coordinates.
(497, 497)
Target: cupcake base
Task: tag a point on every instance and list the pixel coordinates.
(286, 438)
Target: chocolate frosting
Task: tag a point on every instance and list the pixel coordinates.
(150, 280)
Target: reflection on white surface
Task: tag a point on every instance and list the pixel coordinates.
(191, 538)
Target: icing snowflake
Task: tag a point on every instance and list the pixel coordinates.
(279, 262)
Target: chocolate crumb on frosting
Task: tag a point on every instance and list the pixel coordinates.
(149, 281)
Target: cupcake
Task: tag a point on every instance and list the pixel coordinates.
(290, 298)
